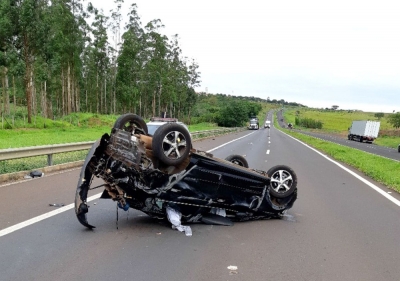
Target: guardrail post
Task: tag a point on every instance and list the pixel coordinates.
(49, 159)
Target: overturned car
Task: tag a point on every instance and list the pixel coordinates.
(163, 176)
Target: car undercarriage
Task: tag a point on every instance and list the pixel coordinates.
(166, 178)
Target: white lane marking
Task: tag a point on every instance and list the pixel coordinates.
(23, 224)
(370, 184)
(229, 142)
(268, 151)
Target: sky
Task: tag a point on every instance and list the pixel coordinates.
(316, 53)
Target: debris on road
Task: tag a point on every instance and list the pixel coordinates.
(56, 205)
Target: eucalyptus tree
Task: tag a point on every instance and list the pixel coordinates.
(27, 36)
(178, 78)
(194, 81)
(115, 26)
(99, 62)
(59, 62)
(130, 79)
(12, 67)
(156, 66)
(6, 34)
(79, 40)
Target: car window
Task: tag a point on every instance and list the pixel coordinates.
(152, 128)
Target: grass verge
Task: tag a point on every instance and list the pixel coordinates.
(380, 169)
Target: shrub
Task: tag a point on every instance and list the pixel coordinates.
(308, 123)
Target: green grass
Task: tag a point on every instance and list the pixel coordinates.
(338, 122)
(202, 127)
(335, 121)
(392, 142)
(33, 137)
(380, 169)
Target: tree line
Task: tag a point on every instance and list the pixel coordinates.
(56, 59)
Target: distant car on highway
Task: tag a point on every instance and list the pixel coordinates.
(267, 124)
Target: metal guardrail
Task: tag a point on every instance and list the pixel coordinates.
(49, 150)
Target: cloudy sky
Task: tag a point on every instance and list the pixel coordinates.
(317, 53)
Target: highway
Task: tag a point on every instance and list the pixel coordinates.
(343, 226)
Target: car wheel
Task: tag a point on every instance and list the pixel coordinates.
(238, 160)
(171, 144)
(130, 122)
(283, 181)
(398, 149)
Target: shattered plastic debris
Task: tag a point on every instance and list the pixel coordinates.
(174, 217)
(56, 205)
(233, 269)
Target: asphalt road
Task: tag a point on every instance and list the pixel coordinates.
(340, 228)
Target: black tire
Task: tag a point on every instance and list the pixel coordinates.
(130, 122)
(171, 144)
(398, 149)
(283, 181)
(238, 160)
(349, 137)
(361, 139)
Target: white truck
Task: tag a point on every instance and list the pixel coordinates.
(254, 123)
(364, 131)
